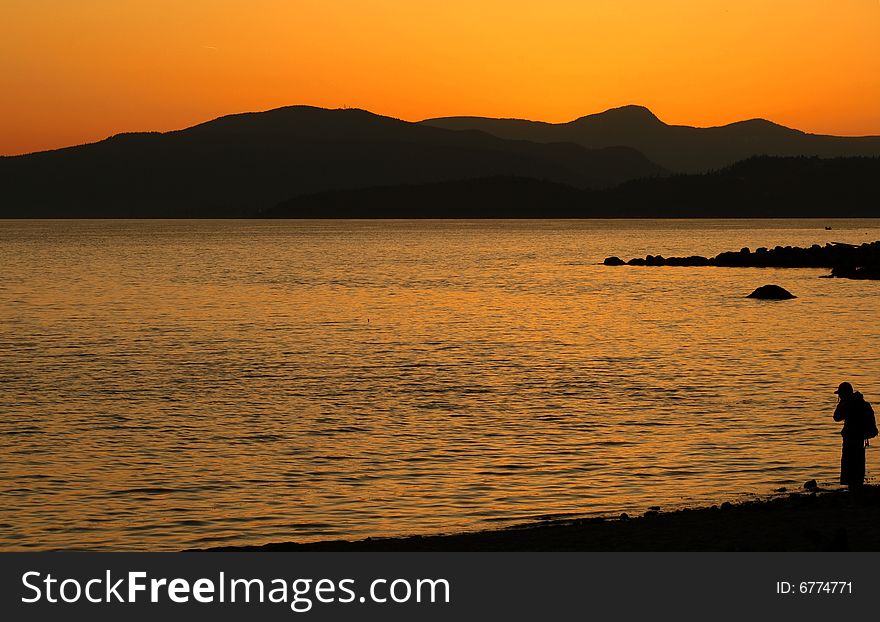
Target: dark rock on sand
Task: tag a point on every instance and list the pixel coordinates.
(771, 292)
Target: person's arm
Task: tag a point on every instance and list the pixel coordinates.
(840, 412)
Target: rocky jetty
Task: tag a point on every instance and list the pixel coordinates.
(861, 272)
(848, 261)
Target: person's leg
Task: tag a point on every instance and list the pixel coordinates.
(856, 466)
(852, 464)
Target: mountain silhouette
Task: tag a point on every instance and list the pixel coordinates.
(760, 187)
(678, 148)
(486, 197)
(240, 165)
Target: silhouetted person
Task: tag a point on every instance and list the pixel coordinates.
(858, 426)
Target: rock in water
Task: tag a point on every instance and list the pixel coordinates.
(771, 292)
(614, 261)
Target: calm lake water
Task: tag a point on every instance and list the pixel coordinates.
(174, 384)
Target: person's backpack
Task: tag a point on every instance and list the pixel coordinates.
(870, 424)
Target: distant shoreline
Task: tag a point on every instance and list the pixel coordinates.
(820, 520)
(818, 219)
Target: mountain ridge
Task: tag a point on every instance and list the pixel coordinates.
(239, 164)
(679, 148)
(248, 163)
(760, 187)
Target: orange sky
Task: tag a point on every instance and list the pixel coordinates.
(74, 71)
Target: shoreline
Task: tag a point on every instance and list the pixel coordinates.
(805, 520)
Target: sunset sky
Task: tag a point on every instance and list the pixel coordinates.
(74, 71)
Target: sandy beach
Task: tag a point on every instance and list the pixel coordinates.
(819, 520)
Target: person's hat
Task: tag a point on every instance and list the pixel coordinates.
(845, 388)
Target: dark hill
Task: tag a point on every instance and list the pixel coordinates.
(760, 187)
(487, 197)
(676, 147)
(241, 164)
